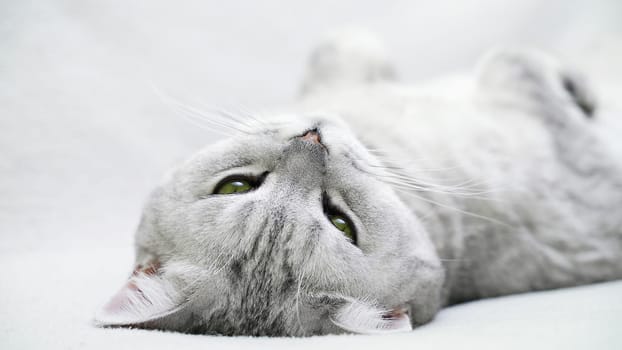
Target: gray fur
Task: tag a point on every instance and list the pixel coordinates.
(268, 262)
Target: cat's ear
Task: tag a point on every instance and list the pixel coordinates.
(364, 318)
(148, 294)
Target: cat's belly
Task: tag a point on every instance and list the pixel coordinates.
(537, 244)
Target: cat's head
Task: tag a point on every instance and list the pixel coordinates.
(283, 231)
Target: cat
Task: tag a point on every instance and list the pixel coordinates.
(367, 206)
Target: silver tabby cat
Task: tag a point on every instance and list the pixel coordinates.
(368, 205)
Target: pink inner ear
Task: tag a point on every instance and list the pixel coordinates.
(121, 298)
(150, 269)
(146, 295)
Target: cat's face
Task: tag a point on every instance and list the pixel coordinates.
(284, 231)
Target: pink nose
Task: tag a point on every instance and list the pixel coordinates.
(311, 136)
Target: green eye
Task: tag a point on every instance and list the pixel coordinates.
(239, 183)
(231, 186)
(343, 225)
(338, 219)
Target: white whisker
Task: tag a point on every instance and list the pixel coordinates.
(214, 119)
(468, 213)
(300, 278)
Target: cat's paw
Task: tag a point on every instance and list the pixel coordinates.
(532, 80)
(347, 57)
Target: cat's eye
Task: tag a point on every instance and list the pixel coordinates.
(343, 225)
(234, 186)
(339, 220)
(238, 184)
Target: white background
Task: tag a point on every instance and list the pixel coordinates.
(83, 136)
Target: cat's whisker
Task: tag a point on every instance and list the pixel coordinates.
(398, 169)
(401, 170)
(407, 175)
(417, 183)
(457, 192)
(222, 122)
(219, 116)
(299, 288)
(471, 186)
(454, 260)
(426, 217)
(242, 121)
(465, 212)
(179, 106)
(466, 187)
(474, 195)
(402, 177)
(418, 169)
(200, 123)
(198, 118)
(481, 195)
(250, 116)
(408, 183)
(240, 114)
(385, 158)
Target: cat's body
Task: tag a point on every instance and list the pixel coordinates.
(530, 193)
(504, 187)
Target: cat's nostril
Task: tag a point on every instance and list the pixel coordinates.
(312, 136)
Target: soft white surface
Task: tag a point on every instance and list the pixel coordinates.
(48, 299)
(83, 138)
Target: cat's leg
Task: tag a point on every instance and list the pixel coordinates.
(347, 58)
(535, 83)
